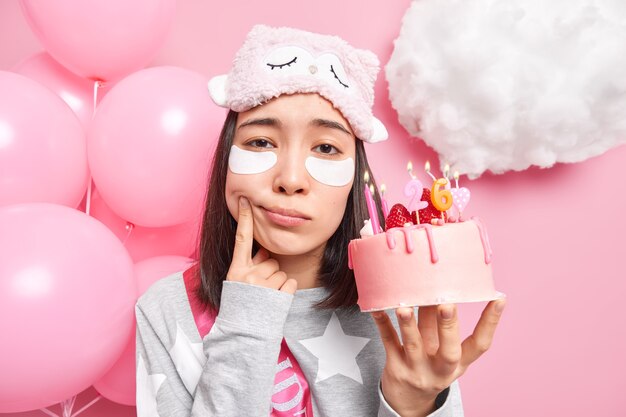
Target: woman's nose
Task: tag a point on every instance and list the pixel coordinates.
(291, 175)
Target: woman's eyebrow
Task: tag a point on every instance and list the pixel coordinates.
(265, 121)
(330, 124)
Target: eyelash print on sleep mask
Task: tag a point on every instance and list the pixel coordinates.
(241, 161)
(293, 60)
(329, 172)
(276, 61)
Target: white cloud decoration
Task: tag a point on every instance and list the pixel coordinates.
(505, 84)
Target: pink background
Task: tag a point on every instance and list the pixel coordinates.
(558, 234)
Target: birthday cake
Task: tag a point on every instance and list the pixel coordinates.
(424, 257)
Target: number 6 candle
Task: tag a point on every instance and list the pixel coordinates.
(441, 197)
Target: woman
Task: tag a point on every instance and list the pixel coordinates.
(266, 322)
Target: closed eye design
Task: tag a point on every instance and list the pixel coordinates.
(286, 64)
(335, 74)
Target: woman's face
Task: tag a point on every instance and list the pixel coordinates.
(293, 158)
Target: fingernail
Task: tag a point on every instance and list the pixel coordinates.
(499, 307)
(405, 314)
(243, 202)
(447, 313)
(377, 315)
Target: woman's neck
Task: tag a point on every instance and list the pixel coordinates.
(303, 268)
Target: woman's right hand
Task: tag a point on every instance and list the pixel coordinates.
(259, 270)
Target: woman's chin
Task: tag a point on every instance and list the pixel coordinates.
(286, 248)
(287, 251)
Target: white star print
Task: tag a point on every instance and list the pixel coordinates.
(336, 352)
(188, 358)
(147, 388)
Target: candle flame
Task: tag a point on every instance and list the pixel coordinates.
(446, 170)
(456, 175)
(409, 167)
(372, 189)
(383, 189)
(427, 166)
(366, 177)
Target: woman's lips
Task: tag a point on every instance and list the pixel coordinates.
(286, 218)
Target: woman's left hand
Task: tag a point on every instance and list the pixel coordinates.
(431, 355)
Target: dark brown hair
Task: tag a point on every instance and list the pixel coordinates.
(217, 236)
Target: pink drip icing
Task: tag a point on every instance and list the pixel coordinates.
(391, 241)
(434, 256)
(408, 240)
(484, 238)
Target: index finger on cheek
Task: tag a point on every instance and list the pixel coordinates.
(242, 253)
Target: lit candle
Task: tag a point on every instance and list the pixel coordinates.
(460, 196)
(371, 205)
(427, 169)
(409, 167)
(383, 202)
(414, 190)
(441, 197)
(446, 173)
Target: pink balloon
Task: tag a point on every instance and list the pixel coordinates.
(147, 242)
(101, 40)
(77, 92)
(67, 298)
(150, 145)
(118, 384)
(43, 155)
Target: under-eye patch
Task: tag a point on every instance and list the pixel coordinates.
(241, 161)
(330, 172)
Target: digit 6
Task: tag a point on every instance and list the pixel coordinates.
(441, 197)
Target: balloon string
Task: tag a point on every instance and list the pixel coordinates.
(95, 400)
(96, 86)
(88, 200)
(67, 406)
(129, 229)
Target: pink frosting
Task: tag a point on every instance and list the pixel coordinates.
(484, 238)
(391, 272)
(408, 239)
